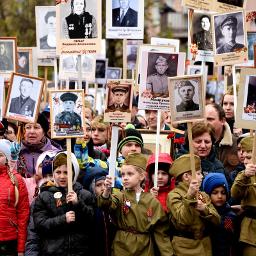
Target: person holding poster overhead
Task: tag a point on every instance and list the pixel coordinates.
(80, 24)
(124, 16)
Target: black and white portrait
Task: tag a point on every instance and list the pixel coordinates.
(1, 97)
(23, 61)
(124, 13)
(194, 70)
(69, 63)
(7, 55)
(237, 3)
(131, 50)
(101, 71)
(229, 32)
(114, 73)
(24, 97)
(66, 113)
(251, 39)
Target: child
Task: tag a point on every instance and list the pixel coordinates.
(223, 236)
(190, 210)
(164, 182)
(140, 216)
(62, 220)
(14, 206)
(244, 189)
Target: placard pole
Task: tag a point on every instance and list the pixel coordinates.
(69, 165)
(191, 150)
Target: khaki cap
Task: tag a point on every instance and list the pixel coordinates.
(247, 143)
(136, 159)
(182, 165)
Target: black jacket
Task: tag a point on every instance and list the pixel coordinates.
(57, 237)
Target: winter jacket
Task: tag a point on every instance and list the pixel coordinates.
(13, 220)
(57, 237)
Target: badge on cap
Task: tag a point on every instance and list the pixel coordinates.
(57, 195)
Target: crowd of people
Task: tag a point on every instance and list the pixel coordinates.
(207, 212)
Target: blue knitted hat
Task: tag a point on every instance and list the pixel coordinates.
(213, 180)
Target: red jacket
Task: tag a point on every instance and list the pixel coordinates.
(13, 220)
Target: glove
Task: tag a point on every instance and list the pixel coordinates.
(15, 150)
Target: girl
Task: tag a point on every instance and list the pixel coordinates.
(140, 217)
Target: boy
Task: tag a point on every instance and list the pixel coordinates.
(140, 216)
(244, 189)
(190, 210)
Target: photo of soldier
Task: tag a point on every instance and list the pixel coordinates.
(6, 56)
(119, 96)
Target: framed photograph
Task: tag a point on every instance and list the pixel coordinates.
(114, 73)
(173, 43)
(246, 103)
(206, 5)
(130, 50)
(8, 53)
(186, 98)
(195, 70)
(251, 20)
(230, 44)
(67, 112)
(200, 43)
(229, 5)
(78, 27)
(228, 77)
(1, 97)
(46, 31)
(45, 62)
(118, 101)
(251, 39)
(124, 19)
(24, 98)
(25, 61)
(101, 70)
(154, 70)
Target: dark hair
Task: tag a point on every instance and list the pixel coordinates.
(200, 128)
(72, 5)
(48, 15)
(219, 110)
(26, 80)
(14, 127)
(205, 16)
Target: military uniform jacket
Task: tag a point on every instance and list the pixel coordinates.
(114, 108)
(130, 18)
(244, 189)
(186, 219)
(137, 223)
(203, 39)
(5, 63)
(71, 118)
(158, 84)
(229, 48)
(187, 107)
(23, 107)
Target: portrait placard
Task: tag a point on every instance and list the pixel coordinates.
(78, 27)
(251, 20)
(67, 112)
(229, 5)
(186, 98)
(130, 50)
(24, 98)
(246, 104)
(124, 19)
(228, 78)
(200, 41)
(8, 53)
(46, 31)
(25, 61)
(45, 62)
(206, 5)
(155, 68)
(251, 39)
(101, 70)
(114, 73)
(230, 44)
(195, 70)
(1, 97)
(118, 101)
(173, 43)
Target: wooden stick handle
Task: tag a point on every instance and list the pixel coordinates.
(69, 165)
(191, 150)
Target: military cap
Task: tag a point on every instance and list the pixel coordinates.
(229, 21)
(182, 165)
(161, 59)
(136, 159)
(119, 89)
(68, 96)
(247, 143)
(185, 83)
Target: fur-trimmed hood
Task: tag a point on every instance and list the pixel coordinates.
(227, 136)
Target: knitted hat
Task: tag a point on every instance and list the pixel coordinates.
(130, 135)
(136, 159)
(214, 180)
(5, 148)
(182, 165)
(247, 143)
(42, 120)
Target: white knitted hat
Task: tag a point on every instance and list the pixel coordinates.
(5, 147)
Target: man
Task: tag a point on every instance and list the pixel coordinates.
(228, 29)
(23, 66)
(79, 24)
(186, 91)
(225, 145)
(124, 16)
(157, 83)
(151, 118)
(5, 62)
(118, 98)
(203, 38)
(24, 105)
(49, 41)
(68, 116)
(132, 57)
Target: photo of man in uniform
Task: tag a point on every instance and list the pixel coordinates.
(24, 104)
(119, 95)
(5, 60)
(68, 116)
(186, 91)
(203, 38)
(23, 63)
(79, 24)
(228, 28)
(124, 16)
(49, 41)
(157, 83)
